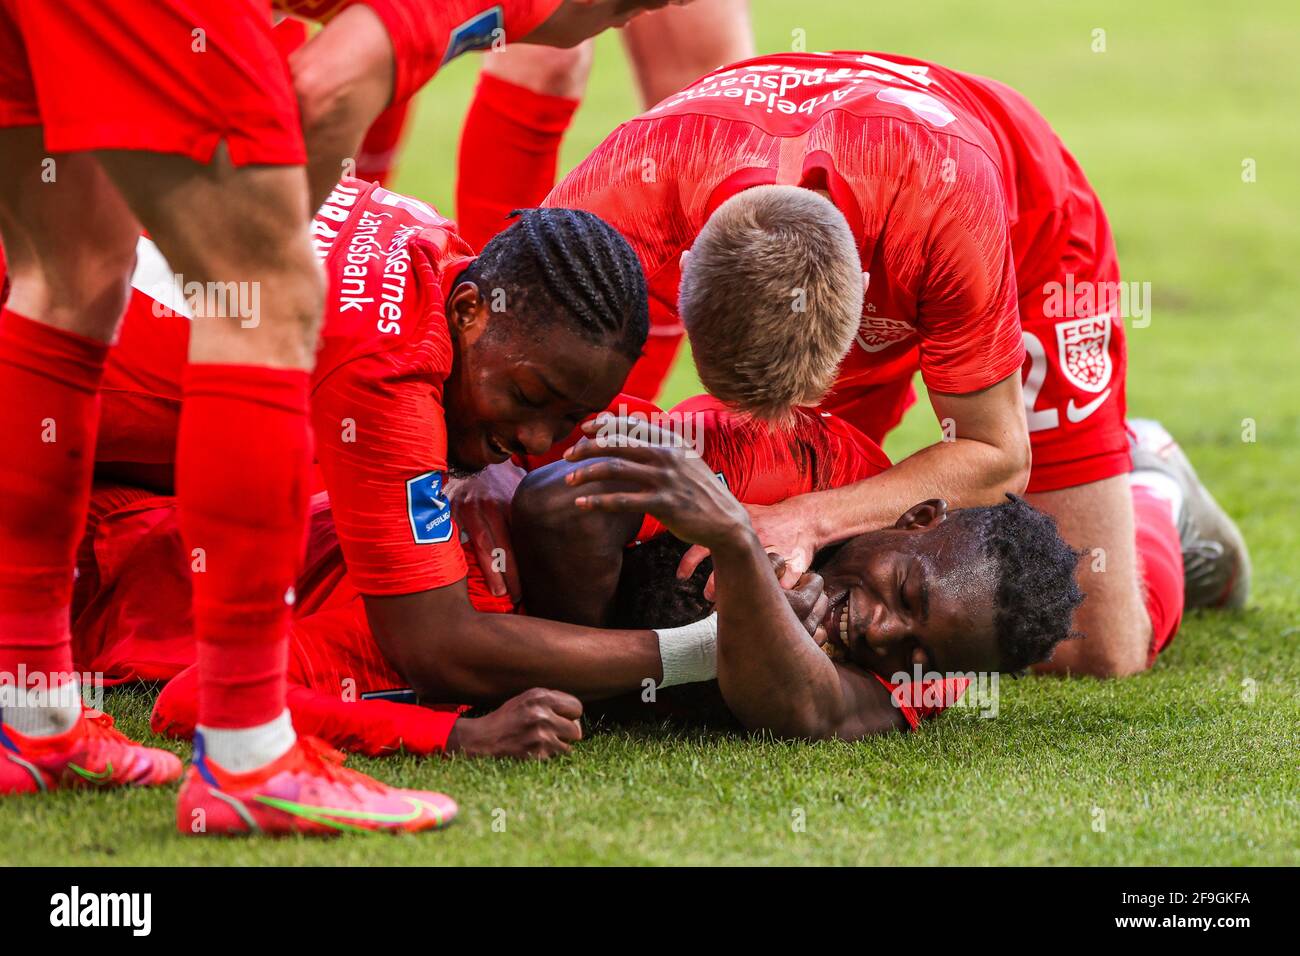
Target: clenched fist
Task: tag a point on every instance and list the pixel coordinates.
(535, 725)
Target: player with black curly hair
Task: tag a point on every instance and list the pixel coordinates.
(985, 589)
(1027, 571)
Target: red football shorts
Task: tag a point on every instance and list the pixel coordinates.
(166, 76)
(1076, 356)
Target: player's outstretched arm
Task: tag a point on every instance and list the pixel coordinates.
(772, 674)
(449, 651)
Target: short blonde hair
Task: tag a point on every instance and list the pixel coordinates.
(771, 297)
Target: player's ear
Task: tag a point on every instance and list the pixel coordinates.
(927, 514)
(682, 260)
(866, 282)
(467, 312)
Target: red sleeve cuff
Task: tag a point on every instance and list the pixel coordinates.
(371, 727)
(921, 700)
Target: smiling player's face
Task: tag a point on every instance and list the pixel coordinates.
(512, 392)
(920, 593)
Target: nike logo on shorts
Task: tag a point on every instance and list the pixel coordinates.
(1076, 414)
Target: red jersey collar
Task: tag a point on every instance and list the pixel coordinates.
(451, 271)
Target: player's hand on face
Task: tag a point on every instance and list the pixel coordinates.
(535, 725)
(669, 481)
(481, 506)
(782, 529)
(808, 599)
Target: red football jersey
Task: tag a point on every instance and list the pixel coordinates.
(763, 465)
(946, 179)
(385, 351)
(172, 77)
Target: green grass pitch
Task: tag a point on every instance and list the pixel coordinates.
(1192, 763)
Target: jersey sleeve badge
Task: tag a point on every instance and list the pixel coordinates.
(476, 33)
(428, 509)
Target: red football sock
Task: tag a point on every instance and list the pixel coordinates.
(1160, 557)
(49, 410)
(242, 466)
(378, 153)
(509, 148)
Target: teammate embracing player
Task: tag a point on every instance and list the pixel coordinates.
(968, 216)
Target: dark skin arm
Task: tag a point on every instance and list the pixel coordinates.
(449, 651)
(775, 677)
(772, 674)
(535, 725)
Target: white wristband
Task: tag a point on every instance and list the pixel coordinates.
(689, 654)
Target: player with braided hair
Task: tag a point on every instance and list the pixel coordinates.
(560, 263)
(429, 364)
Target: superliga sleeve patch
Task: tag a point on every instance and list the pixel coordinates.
(428, 509)
(476, 33)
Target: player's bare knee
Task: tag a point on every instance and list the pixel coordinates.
(551, 71)
(280, 295)
(84, 287)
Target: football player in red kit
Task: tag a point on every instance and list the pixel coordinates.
(967, 591)
(178, 116)
(584, 567)
(987, 262)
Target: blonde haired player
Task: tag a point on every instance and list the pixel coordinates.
(969, 214)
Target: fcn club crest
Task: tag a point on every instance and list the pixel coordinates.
(1085, 351)
(877, 333)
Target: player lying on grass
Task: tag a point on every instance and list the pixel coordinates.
(990, 263)
(983, 589)
(977, 590)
